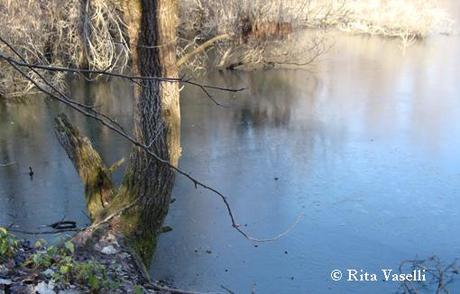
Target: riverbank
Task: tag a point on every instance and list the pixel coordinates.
(238, 35)
(102, 266)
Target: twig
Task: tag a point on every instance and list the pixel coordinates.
(116, 165)
(58, 230)
(437, 275)
(112, 215)
(205, 91)
(227, 289)
(202, 48)
(63, 225)
(159, 287)
(111, 74)
(85, 214)
(7, 164)
(45, 232)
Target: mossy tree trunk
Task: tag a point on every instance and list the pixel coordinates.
(152, 31)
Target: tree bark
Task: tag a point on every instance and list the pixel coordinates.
(147, 183)
(152, 32)
(88, 163)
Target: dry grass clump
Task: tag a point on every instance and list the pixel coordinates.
(390, 18)
(405, 19)
(72, 33)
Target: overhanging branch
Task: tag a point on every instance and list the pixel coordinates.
(108, 122)
(202, 48)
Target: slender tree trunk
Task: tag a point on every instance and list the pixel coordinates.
(84, 33)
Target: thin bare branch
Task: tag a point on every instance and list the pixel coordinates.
(40, 232)
(159, 287)
(112, 74)
(47, 83)
(105, 120)
(202, 48)
(7, 164)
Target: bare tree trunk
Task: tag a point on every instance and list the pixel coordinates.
(147, 182)
(152, 31)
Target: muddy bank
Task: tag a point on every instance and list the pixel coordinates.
(103, 264)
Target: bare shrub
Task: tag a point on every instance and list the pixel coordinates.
(438, 275)
(242, 33)
(404, 19)
(261, 31)
(80, 33)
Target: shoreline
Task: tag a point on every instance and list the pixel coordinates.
(103, 264)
